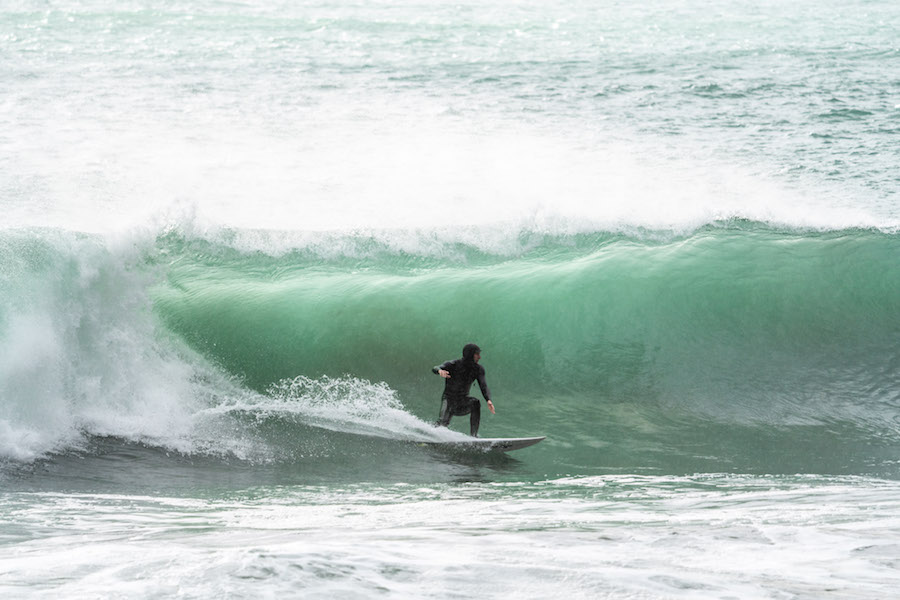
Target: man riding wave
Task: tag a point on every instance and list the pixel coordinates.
(459, 375)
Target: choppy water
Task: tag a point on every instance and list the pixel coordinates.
(235, 237)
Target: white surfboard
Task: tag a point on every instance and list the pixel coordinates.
(487, 444)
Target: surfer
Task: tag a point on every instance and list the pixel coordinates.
(459, 374)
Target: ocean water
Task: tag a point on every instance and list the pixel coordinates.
(235, 236)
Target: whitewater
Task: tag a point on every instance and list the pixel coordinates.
(236, 236)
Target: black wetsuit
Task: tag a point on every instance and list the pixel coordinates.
(456, 399)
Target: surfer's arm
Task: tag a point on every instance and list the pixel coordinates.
(485, 391)
(442, 370)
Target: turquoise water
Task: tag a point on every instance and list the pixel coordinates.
(236, 236)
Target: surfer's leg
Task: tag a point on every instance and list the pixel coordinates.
(445, 414)
(475, 418)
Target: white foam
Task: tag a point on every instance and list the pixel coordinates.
(333, 172)
(710, 537)
(352, 405)
(81, 353)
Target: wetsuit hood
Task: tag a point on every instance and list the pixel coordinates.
(469, 352)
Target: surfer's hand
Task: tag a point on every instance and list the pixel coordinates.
(491, 407)
(444, 374)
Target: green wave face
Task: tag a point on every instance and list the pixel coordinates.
(737, 348)
(733, 348)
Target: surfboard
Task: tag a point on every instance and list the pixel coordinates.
(487, 444)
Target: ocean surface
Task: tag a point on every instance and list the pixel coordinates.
(235, 236)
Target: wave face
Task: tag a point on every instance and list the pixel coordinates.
(739, 346)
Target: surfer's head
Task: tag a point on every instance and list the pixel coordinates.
(470, 351)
